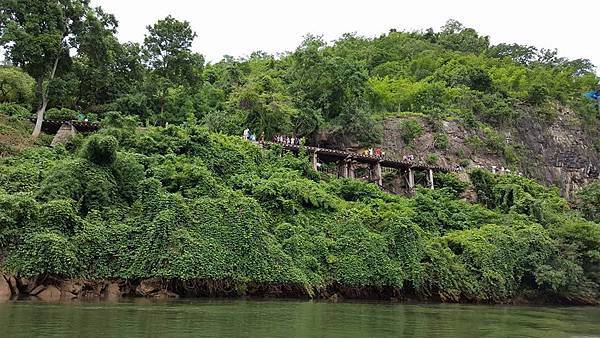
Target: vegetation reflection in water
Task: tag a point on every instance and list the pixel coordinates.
(292, 318)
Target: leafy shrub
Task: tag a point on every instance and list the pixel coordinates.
(92, 186)
(410, 130)
(101, 150)
(44, 253)
(440, 141)
(16, 85)
(184, 204)
(60, 215)
(451, 182)
(432, 159)
(17, 211)
(192, 178)
(501, 256)
(128, 174)
(62, 114)
(465, 163)
(16, 110)
(113, 119)
(537, 94)
(354, 190)
(588, 201)
(465, 72)
(518, 194)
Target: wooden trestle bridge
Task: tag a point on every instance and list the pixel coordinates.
(370, 168)
(336, 162)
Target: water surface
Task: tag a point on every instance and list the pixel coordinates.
(293, 318)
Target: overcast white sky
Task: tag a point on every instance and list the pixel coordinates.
(238, 27)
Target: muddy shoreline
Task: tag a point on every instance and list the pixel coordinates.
(52, 289)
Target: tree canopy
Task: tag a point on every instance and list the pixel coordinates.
(15, 85)
(38, 36)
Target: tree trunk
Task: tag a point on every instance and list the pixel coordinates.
(41, 108)
(44, 101)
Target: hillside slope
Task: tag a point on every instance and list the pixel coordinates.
(183, 211)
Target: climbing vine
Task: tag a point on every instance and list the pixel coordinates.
(185, 204)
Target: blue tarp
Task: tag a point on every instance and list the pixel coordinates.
(593, 95)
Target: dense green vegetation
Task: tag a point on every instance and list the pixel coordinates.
(588, 201)
(186, 204)
(341, 88)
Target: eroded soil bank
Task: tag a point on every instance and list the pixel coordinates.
(52, 289)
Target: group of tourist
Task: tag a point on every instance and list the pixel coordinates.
(288, 140)
(249, 136)
(496, 169)
(408, 158)
(292, 140)
(374, 152)
(502, 170)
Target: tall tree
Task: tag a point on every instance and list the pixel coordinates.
(37, 35)
(106, 69)
(167, 50)
(332, 88)
(457, 37)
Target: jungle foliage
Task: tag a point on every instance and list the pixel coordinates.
(183, 203)
(334, 88)
(188, 202)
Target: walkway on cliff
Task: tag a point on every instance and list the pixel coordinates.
(347, 164)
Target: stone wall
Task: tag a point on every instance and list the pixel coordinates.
(66, 131)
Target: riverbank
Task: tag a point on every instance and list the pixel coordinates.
(51, 289)
(235, 220)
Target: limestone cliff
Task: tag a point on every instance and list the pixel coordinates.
(556, 148)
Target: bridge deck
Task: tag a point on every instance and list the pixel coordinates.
(333, 155)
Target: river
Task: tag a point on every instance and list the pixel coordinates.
(293, 318)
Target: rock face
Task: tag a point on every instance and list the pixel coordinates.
(55, 290)
(49, 294)
(73, 287)
(561, 152)
(5, 290)
(14, 287)
(154, 287)
(557, 151)
(113, 291)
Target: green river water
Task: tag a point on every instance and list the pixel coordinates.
(293, 318)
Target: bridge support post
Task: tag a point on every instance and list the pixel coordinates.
(342, 169)
(314, 161)
(431, 178)
(411, 179)
(376, 172)
(350, 169)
